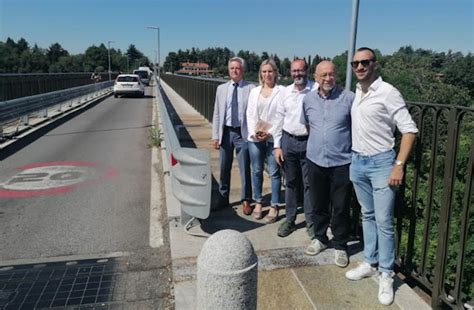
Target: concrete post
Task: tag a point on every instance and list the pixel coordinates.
(227, 272)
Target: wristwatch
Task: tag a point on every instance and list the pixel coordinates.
(399, 163)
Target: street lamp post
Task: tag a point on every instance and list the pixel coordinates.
(108, 44)
(156, 61)
(350, 52)
(158, 41)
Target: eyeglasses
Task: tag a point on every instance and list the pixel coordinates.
(365, 63)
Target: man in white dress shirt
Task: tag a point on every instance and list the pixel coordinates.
(376, 170)
(290, 147)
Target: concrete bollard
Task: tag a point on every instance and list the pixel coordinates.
(227, 270)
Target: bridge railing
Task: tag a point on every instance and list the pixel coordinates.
(22, 108)
(189, 168)
(17, 85)
(435, 215)
(434, 209)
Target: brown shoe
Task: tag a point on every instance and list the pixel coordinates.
(246, 208)
(269, 219)
(257, 211)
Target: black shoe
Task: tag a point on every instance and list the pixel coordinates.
(286, 228)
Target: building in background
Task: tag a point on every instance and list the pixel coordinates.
(194, 68)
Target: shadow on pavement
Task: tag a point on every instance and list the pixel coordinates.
(228, 218)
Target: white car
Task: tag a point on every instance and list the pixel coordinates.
(128, 84)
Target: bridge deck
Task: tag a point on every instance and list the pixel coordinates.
(288, 279)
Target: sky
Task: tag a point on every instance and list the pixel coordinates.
(288, 28)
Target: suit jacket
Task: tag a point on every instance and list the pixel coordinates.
(220, 106)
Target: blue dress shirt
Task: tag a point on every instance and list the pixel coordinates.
(329, 120)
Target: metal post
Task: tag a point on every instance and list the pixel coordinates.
(158, 46)
(446, 209)
(350, 52)
(159, 61)
(154, 66)
(108, 44)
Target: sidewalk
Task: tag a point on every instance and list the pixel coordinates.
(287, 279)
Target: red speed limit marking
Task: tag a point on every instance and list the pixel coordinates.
(52, 178)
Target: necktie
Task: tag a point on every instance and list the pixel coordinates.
(235, 107)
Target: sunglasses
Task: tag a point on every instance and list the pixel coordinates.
(365, 63)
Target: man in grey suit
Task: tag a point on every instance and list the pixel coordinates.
(229, 131)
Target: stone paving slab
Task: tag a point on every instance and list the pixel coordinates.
(280, 289)
(328, 288)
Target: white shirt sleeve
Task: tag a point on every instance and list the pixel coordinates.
(398, 111)
(279, 117)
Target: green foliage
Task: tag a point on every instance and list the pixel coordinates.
(155, 137)
(19, 57)
(55, 52)
(419, 75)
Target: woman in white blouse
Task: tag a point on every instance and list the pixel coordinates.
(261, 111)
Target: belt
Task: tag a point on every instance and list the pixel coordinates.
(301, 138)
(232, 128)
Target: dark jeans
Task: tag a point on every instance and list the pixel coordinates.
(232, 140)
(330, 187)
(296, 175)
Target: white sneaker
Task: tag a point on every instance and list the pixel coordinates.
(315, 247)
(364, 270)
(385, 289)
(340, 258)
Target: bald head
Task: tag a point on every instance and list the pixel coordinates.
(325, 65)
(325, 75)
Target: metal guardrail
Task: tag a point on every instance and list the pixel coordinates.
(434, 210)
(22, 108)
(17, 85)
(190, 169)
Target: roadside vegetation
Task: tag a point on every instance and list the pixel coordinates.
(20, 57)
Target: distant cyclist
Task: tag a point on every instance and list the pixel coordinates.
(96, 77)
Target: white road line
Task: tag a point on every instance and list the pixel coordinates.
(29, 261)
(156, 199)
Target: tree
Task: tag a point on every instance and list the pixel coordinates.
(54, 52)
(171, 62)
(38, 60)
(18, 57)
(340, 61)
(460, 72)
(96, 58)
(285, 67)
(22, 46)
(134, 55)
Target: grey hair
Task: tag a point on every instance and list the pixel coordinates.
(239, 60)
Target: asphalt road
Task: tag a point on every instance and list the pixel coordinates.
(83, 187)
